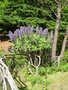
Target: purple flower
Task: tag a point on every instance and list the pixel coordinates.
(26, 30)
(8, 49)
(51, 36)
(41, 31)
(11, 35)
(20, 33)
(46, 32)
(31, 29)
(21, 27)
(16, 33)
(37, 29)
(14, 37)
(12, 48)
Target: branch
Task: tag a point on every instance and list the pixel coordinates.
(30, 59)
(49, 15)
(53, 11)
(64, 5)
(56, 1)
(33, 65)
(39, 60)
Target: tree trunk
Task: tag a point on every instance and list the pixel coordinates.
(63, 48)
(37, 70)
(54, 47)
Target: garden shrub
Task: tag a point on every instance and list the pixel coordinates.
(64, 68)
(42, 71)
(39, 80)
(17, 62)
(33, 44)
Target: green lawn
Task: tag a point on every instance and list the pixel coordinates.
(57, 81)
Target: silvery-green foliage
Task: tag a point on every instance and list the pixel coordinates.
(27, 40)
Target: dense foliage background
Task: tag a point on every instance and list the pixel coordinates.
(30, 54)
(13, 14)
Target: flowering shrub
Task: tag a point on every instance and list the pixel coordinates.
(26, 40)
(32, 43)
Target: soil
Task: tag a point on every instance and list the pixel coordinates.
(4, 42)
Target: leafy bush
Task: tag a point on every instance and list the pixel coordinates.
(17, 62)
(39, 80)
(20, 60)
(31, 43)
(26, 40)
(63, 68)
(48, 70)
(42, 71)
(54, 69)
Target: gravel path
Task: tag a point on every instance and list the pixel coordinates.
(4, 43)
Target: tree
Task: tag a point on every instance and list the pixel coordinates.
(59, 9)
(54, 47)
(32, 45)
(63, 47)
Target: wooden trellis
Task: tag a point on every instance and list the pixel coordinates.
(5, 75)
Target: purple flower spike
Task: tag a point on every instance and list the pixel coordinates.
(37, 29)
(14, 37)
(11, 35)
(46, 32)
(21, 27)
(16, 33)
(31, 29)
(51, 36)
(26, 30)
(12, 48)
(41, 31)
(8, 49)
(20, 33)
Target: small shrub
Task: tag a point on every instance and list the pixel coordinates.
(42, 71)
(33, 80)
(64, 67)
(39, 79)
(15, 62)
(48, 70)
(20, 61)
(54, 69)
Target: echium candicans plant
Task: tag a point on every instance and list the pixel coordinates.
(31, 42)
